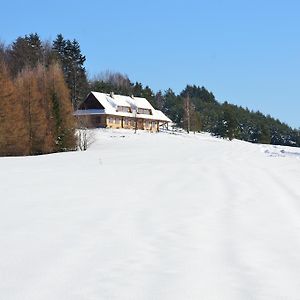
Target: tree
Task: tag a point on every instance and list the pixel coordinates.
(159, 100)
(25, 52)
(173, 107)
(85, 137)
(118, 83)
(195, 120)
(36, 114)
(137, 89)
(149, 95)
(230, 122)
(30, 86)
(264, 135)
(62, 111)
(187, 113)
(48, 111)
(2, 52)
(13, 134)
(72, 61)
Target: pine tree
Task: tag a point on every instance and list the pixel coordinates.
(137, 89)
(59, 46)
(264, 135)
(72, 62)
(159, 100)
(149, 95)
(195, 120)
(230, 122)
(25, 52)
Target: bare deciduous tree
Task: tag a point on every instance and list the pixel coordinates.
(191, 119)
(187, 113)
(85, 136)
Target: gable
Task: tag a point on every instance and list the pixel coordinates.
(91, 102)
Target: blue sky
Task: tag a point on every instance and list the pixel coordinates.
(245, 52)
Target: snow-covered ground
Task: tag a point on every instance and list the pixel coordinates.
(152, 216)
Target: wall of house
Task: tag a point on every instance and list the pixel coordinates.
(150, 125)
(91, 121)
(114, 122)
(129, 123)
(102, 121)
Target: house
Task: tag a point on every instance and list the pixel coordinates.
(118, 111)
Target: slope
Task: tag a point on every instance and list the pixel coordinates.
(152, 216)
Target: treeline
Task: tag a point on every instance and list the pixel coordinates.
(196, 109)
(42, 82)
(36, 113)
(30, 50)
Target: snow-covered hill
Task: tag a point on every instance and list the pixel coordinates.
(152, 216)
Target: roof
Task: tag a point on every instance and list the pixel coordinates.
(111, 103)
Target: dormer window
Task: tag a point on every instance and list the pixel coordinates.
(123, 109)
(144, 111)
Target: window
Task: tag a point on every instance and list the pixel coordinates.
(123, 108)
(144, 111)
(111, 120)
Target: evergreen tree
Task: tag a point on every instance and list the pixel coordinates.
(149, 95)
(2, 53)
(25, 52)
(264, 135)
(59, 46)
(230, 122)
(72, 62)
(159, 100)
(137, 89)
(173, 107)
(196, 125)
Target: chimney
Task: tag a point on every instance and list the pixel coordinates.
(112, 94)
(132, 96)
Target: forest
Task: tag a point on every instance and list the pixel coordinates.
(196, 109)
(43, 82)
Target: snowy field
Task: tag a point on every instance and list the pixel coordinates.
(152, 216)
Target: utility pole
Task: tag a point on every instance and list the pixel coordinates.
(134, 111)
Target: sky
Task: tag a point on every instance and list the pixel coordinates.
(245, 52)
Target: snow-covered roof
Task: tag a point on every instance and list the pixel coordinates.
(112, 102)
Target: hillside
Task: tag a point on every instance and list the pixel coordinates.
(152, 216)
(25, 68)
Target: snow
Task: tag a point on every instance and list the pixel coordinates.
(152, 216)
